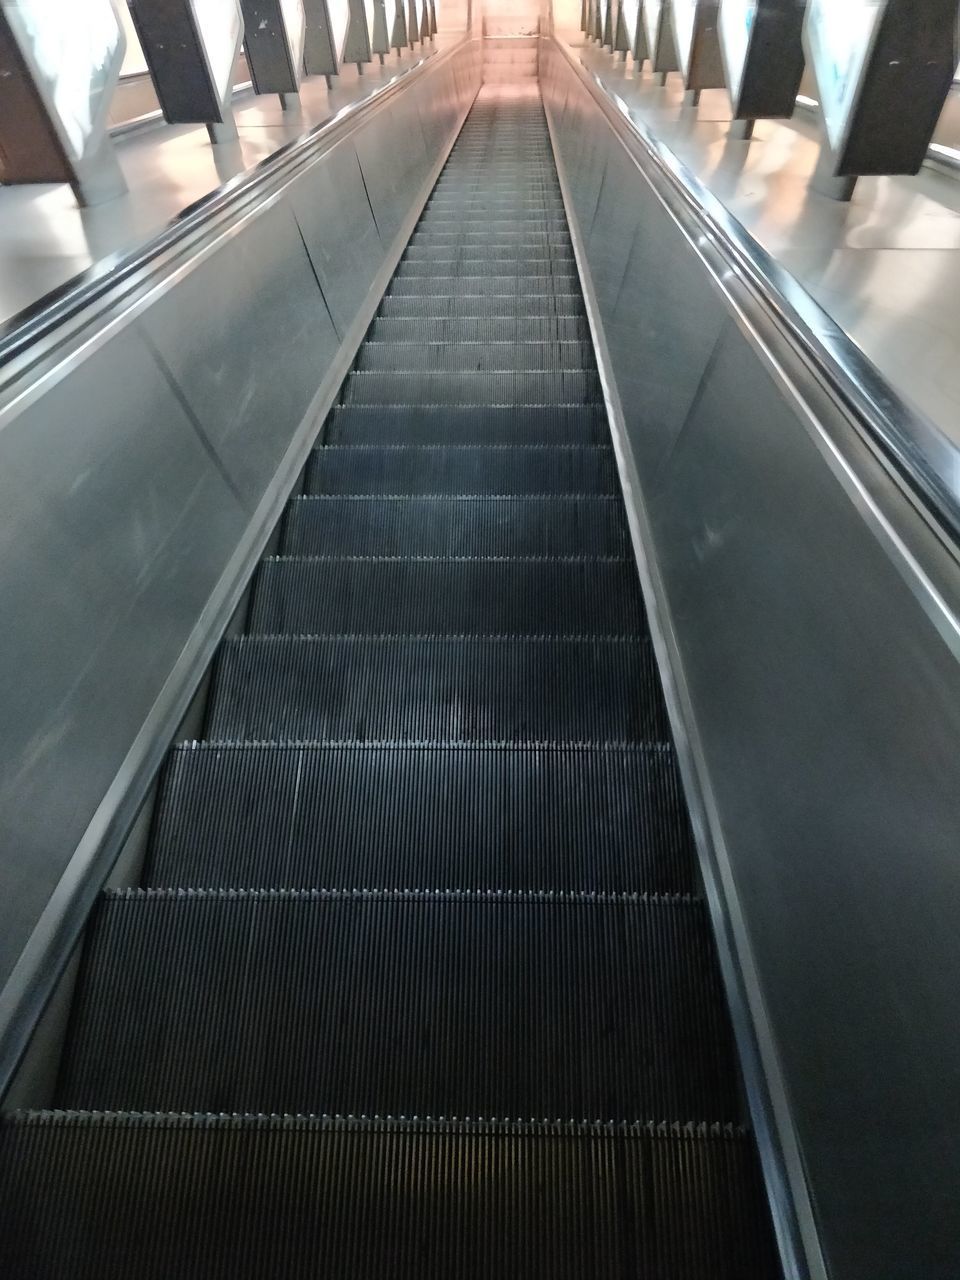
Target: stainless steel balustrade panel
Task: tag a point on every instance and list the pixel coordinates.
(646, 308)
(394, 162)
(822, 696)
(140, 466)
(339, 231)
(116, 523)
(244, 336)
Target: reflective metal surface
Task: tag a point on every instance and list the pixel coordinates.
(46, 241)
(149, 436)
(883, 270)
(806, 615)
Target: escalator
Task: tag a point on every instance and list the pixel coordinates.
(419, 981)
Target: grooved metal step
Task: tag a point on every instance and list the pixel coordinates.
(469, 306)
(505, 387)
(429, 242)
(477, 329)
(293, 1198)
(506, 470)
(446, 597)
(489, 211)
(474, 259)
(417, 526)
(534, 223)
(413, 277)
(401, 1004)
(476, 357)
(550, 424)
(449, 689)
(572, 819)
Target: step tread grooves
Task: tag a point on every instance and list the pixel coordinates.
(307, 817)
(481, 425)
(256, 1198)
(399, 1004)
(461, 470)
(299, 596)
(552, 525)
(449, 689)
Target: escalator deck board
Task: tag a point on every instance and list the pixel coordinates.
(293, 1198)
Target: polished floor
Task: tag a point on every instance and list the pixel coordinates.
(885, 267)
(46, 240)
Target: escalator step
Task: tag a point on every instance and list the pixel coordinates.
(378, 1003)
(89, 1197)
(485, 226)
(512, 261)
(571, 819)
(559, 425)
(491, 388)
(495, 329)
(469, 818)
(446, 597)
(482, 241)
(473, 259)
(459, 527)
(462, 305)
(426, 284)
(400, 357)
(461, 469)
(444, 690)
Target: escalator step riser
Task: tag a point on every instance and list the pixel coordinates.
(489, 212)
(575, 387)
(520, 227)
(461, 470)
(516, 272)
(463, 306)
(511, 184)
(476, 357)
(453, 598)
(571, 820)
(366, 424)
(503, 329)
(534, 261)
(91, 1197)
(447, 690)
(503, 172)
(384, 1004)
(444, 527)
(447, 242)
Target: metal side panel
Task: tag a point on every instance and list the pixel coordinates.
(339, 232)
(256, 334)
(650, 309)
(116, 525)
(148, 442)
(805, 613)
(394, 161)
